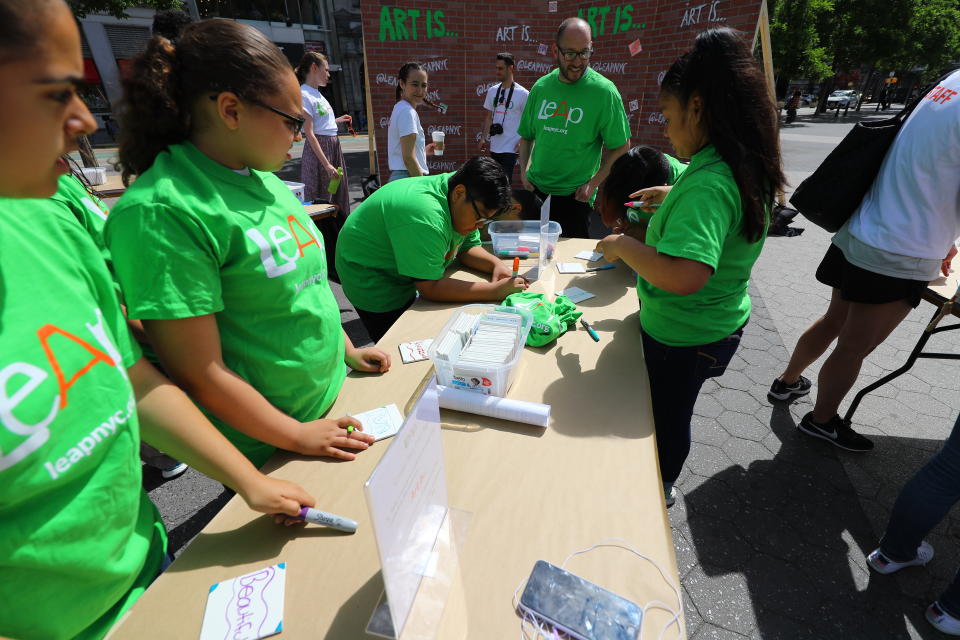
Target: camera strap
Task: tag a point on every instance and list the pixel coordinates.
(496, 100)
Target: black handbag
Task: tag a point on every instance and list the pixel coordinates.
(833, 192)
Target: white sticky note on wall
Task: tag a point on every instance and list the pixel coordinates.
(382, 422)
(248, 607)
(571, 267)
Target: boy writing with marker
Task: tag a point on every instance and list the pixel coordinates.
(399, 242)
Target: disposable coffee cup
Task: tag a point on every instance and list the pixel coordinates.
(438, 137)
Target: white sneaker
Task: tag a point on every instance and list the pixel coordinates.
(942, 621)
(882, 564)
(669, 495)
(175, 471)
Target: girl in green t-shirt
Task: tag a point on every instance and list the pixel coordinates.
(79, 538)
(706, 230)
(214, 254)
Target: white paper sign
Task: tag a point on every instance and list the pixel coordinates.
(414, 351)
(589, 256)
(407, 498)
(246, 608)
(382, 422)
(571, 267)
(576, 294)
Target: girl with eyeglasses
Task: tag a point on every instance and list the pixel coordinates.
(79, 538)
(215, 255)
(322, 155)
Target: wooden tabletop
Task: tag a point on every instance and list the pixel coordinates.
(530, 493)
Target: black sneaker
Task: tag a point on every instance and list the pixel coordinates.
(837, 432)
(780, 390)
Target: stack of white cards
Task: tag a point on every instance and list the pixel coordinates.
(494, 340)
(449, 346)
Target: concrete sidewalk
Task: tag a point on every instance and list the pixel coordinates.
(771, 527)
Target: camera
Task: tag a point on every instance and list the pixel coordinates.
(496, 129)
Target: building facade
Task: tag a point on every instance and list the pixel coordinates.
(331, 27)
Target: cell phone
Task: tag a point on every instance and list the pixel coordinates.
(578, 607)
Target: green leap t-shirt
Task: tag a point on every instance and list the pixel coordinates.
(89, 210)
(401, 233)
(570, 124)
(191, 237)
(676, 168)
(79, 538)
(701, 219)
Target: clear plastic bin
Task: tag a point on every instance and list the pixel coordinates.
(296, 188)
(516, 237)
(488, 379)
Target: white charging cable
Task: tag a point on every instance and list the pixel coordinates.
(544, 631)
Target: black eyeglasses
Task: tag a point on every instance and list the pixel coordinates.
(570, 55)
(294, 123)
(480, 220)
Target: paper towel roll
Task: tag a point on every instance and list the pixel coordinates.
(504, 408)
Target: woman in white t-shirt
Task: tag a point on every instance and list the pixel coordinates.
(406, 143)
(322, 155)
(881, 261)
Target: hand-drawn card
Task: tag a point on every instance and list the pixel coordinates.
(635, 47)
(634, 105)
(248, 607)
(414, 351)
(542, 49)
(552, 6)
(589, 256)
(576, 294)
(382, 422)
(571, 267)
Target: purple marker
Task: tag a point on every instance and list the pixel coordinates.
(327, 519)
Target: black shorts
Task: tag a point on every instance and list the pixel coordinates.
(863, 286)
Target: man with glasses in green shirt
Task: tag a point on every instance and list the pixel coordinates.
(399, 242)
(570, 115)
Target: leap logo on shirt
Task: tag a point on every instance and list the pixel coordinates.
(23, 382)
(454, 248)
(550, 110)
(279, 240)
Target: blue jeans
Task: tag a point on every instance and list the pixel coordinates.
(676, 375)
(923, 502)
(397, 174)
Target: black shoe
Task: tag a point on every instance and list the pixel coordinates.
(780, 390)
(837, 432)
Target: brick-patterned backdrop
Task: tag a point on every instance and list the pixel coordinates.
(458, 43)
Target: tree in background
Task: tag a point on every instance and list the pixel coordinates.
(797, 48)
(118, 8)
(934, 37)
(818, 39)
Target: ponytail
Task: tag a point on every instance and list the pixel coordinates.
(151, 117)
(404, 73)
(165, 82)
(309, 59)
(739, 116)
